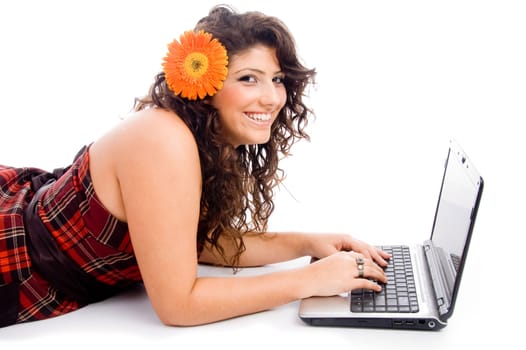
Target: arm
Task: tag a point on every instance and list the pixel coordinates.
(156, 166)
(268, 248)
(261, 249)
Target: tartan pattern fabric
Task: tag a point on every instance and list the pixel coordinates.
(15, 192)
(84, 230)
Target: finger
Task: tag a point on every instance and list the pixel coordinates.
(376, 273)
(375, 254)
(369, 269)
(359, 255)
(372, 271)
(368, 284)
(381, 257)
(383, 253)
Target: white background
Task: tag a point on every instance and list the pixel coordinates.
(396, 80)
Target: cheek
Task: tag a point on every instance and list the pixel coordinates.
(221, 99)
(283, 97)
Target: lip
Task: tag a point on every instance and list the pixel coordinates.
(259, 122)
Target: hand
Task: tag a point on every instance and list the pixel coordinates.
(323, 245)
(338, 273)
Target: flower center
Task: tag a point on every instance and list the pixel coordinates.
(196, 64)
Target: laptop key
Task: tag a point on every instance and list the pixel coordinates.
(398, 295)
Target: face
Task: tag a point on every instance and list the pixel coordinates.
(253, 93)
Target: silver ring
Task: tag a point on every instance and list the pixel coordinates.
(359, 264)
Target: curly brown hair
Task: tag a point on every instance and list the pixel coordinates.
(238, 183)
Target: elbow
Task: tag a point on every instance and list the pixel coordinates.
(179, 308)
(179, 316)
(176, 319)
(173, 322)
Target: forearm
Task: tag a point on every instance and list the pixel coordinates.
(213, 299)
(269, 248)
(263, 249)
(208, 299)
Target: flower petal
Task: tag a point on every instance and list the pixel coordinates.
(197, 66)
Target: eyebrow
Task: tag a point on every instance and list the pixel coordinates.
(257, 71)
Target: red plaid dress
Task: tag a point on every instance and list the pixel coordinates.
(83, 229)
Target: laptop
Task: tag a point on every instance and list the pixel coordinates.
(423, 283)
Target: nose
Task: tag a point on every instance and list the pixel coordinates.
(271, 95)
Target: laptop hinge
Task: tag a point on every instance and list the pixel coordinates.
(438, 276)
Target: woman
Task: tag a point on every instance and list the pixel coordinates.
(187, 179)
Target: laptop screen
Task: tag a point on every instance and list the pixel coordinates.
(454, 219)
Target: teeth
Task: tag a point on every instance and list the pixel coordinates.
(262, 117)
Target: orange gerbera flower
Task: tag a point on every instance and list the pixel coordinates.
(197, 66)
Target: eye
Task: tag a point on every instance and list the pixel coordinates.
(248, 79)
(279, 80)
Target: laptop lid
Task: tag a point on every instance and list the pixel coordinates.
(455, 216)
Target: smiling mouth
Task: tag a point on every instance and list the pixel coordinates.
(259, 117)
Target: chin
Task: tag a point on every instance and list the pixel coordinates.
(255, 140)
(261, 140)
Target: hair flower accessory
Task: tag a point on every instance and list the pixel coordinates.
(197, 66)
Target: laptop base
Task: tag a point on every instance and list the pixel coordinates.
(426, 324)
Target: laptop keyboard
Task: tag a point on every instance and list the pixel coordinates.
(398, 295)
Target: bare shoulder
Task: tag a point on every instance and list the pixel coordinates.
(155, 128)
(147, 172)
(150, 144)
